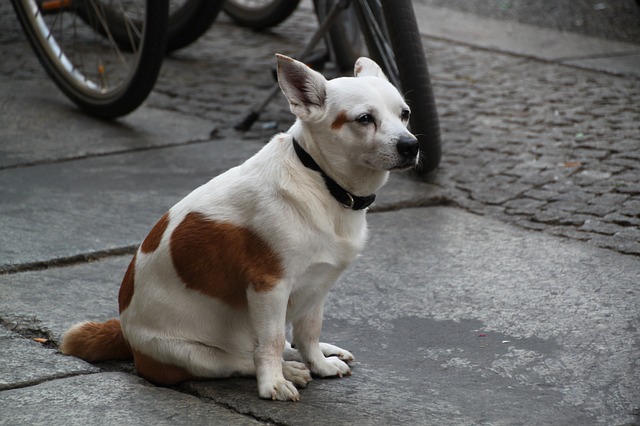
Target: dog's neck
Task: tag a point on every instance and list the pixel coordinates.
(354, 178)
(344, 197)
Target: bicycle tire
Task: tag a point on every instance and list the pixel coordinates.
(188, 21)
(269, 15)
(90, 89)
(415, 81)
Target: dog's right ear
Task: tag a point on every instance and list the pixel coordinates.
(366, 67)
(303, 87)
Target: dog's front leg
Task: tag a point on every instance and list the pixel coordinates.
(323, 360)
(267, 311)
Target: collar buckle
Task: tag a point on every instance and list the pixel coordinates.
(349, 203)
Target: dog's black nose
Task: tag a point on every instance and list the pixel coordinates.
(408, 147)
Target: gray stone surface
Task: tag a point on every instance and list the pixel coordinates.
(469, 321)
(31, 136)
(109, 399)
(26, 362)
(47, 302)
(510, 36)
(452, 317)
(606, 19)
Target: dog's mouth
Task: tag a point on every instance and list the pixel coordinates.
(401, 168)
(405, 165)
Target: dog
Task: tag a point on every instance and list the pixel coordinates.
(212, 288)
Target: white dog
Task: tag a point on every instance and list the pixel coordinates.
(211, 289)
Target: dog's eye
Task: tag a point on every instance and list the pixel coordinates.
(405, 114)
(365, 119)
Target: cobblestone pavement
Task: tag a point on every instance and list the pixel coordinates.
(540, 145)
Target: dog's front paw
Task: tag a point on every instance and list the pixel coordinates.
(280, 390)
(331, 350)
(297, 373)
(330, 367)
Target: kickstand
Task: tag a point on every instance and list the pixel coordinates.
(322, 30)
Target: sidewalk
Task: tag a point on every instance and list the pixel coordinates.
(503, 291)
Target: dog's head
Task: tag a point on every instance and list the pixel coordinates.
(360, 120)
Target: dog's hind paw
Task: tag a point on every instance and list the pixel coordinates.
(331, 350)
(330, 367)
(297, 373)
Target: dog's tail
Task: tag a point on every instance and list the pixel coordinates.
(96, 341)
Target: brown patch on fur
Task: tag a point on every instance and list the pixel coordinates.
(94, 341)
(126, 288)
(358, 70)
(151, 243)
(340, 120)
(221, 259)
(159, 373)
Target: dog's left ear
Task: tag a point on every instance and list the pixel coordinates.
(366, 67)
(303, 87)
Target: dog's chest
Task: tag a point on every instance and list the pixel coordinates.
(321, 257)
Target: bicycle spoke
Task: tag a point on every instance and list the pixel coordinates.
(99, 12)
(379, 37)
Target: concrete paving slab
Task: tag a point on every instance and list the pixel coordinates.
(452, 317)
(40, 125)
(50, 301)
(109, 399)
(529, 40)
(102, 203)
(25, 362)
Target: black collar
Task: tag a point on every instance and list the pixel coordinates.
(348, 200)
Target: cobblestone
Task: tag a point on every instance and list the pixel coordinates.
(537, 144)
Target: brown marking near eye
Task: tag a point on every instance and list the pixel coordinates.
(221, 259)
(151, 243)
(159, 373)
(126, 288)
(340, 120)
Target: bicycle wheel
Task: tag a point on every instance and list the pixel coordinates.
(188, 20)
(91, 70)
(259, 14)
(392, 39)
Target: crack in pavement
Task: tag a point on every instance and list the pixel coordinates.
(107, 154)
(68, 261)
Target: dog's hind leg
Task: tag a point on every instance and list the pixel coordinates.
(292, 354)
(331, 350)
(177, 361)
